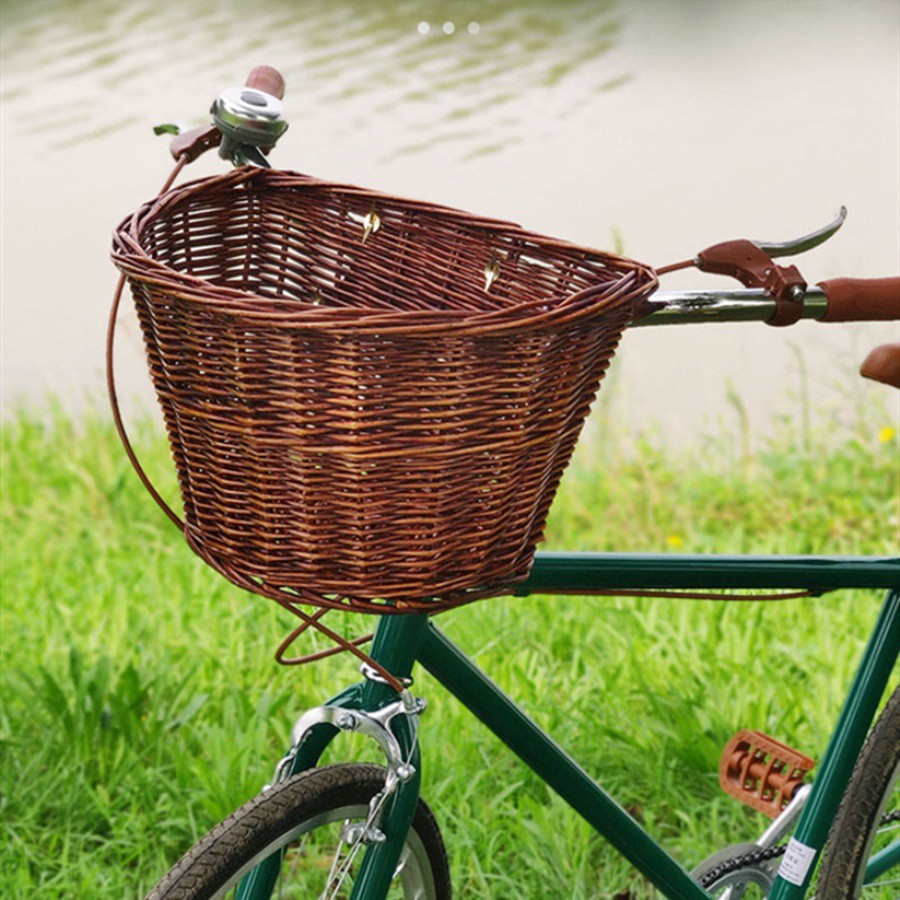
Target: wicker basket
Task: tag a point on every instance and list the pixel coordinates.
(370, 401)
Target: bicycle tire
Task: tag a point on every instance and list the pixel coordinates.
(858, 830)
(299, 806)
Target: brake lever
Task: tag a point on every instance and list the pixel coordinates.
(750, 262)
(190, 144)
(802, 244)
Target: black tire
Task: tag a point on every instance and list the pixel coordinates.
(300, 805)
(857, 833)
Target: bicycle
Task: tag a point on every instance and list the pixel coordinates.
(386, 835)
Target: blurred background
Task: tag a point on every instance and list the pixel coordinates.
(654, 126)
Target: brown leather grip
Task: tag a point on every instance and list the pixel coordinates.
(883, 364)
(861, 299)
(268, 80)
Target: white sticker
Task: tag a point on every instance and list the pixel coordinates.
(797, 860)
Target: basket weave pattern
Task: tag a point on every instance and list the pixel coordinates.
(370, 401)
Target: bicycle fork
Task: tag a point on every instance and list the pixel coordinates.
(371, 708)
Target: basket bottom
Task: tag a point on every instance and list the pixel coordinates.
(390, 602)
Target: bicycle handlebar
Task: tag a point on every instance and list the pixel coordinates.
(861, 299)
(836, 300)
(786, 296)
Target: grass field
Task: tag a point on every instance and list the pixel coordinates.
(141, 704)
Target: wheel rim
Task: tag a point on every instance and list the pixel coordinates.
(309, 852)
(886, 885)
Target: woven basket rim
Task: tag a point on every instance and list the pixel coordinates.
(633, 280)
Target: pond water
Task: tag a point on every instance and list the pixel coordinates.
(661, 127)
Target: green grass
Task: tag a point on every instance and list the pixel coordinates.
(140, 702)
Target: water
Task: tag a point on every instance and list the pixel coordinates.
(665, 126)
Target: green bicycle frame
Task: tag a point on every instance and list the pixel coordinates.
(401, 641)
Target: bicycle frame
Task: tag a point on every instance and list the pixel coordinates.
(401, 641)
(778, 296)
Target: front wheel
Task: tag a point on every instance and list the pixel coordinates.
(868, 821)
(306, 819)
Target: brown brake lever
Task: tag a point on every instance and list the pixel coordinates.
(750, 262)
(807, 242)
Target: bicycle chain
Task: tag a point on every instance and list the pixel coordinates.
(740, 862)
(761, 856)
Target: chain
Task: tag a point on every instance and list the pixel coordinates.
(741, 862)
(761, 856)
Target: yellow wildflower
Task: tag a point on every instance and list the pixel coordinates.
(887, 434)
(674, 541)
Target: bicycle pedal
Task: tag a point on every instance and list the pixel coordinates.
(761, 771)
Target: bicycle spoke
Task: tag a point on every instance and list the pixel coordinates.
(335, 870)
(340, 870)
(287, 877)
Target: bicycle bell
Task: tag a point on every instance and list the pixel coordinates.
(250, 121)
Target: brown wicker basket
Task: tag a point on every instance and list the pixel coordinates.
(370, 401)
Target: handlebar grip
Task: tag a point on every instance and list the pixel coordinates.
(883, 364)
(268, 80)
(861, 299)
